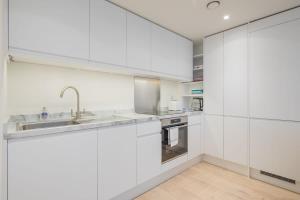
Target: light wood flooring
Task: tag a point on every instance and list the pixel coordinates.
(206, 182)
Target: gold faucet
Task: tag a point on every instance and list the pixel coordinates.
(78, 115)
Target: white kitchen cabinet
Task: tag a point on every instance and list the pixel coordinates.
(274, 147)
(164, 50)
(195, 136)
(194, 141)
(235, 72)
(138, 42)
(213, 74)
(108, 33)
(51, 167)
(274, 68)
(236, 140)
(148, 157)
(117, 160)
(57, 27)
(213, 126)
(184, 62)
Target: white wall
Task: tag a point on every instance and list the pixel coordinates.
(169, 90)
(32, 86)
(2, 92)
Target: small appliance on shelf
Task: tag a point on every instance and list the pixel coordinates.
(197, 104)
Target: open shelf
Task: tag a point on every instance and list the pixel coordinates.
(193, 82)
(198, 55)
(193, 95)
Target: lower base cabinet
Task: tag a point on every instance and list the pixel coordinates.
(274, 147)
(148, 157)
(213, 126)
(52, 167)
(117, 160)
(236, 140)
(194, 140)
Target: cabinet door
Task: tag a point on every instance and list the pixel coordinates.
(117, 160)
(274, 147)
(235, 72)
(184, 57)
(236, 140)
(51, 167)
(163, 50)
(59, 27)
(108, 33)
(148, 157)
(274, 70)
(194, 141)
(138, 42)
(213, 126)
(213, 74)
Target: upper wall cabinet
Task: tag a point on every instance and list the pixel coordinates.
(213, 74)
(164, 50)
(184, 57)
(138, 42)
(235, 72)
(108, 33)
(274, 67)
(58, 27)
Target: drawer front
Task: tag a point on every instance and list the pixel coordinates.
(196, 119)
(148, 128)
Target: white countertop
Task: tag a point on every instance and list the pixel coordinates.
(126, 119)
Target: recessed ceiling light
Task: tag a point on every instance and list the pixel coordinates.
(226, 17)
(213, 4)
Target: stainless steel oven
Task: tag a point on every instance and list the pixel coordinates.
(174, 136)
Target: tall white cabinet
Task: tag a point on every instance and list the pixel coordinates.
(226, 95)
(274, 67)
(53, 167)
(213, 74)
(108, 33)
(255, 68)
(274, 45)
(56, 27)
(235, 72)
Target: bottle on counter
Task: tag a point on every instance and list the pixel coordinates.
(44, 114)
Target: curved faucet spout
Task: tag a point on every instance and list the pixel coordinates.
(78, 99)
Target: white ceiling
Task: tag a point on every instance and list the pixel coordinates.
(192, 19)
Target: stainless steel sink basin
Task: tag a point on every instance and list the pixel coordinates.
(49, 124)
(23, 127)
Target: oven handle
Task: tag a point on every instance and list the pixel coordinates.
(181, 126)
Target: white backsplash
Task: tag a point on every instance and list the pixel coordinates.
(32, 86)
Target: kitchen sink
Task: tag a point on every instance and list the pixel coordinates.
(51, 124)
(30, 126)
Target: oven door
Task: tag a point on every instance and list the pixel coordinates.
(172, 149)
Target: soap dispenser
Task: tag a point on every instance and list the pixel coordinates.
(44, 114)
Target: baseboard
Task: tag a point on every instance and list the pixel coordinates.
(254, 173)
(144, 187)
(240, 169)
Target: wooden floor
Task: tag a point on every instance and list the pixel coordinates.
(205, 182)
